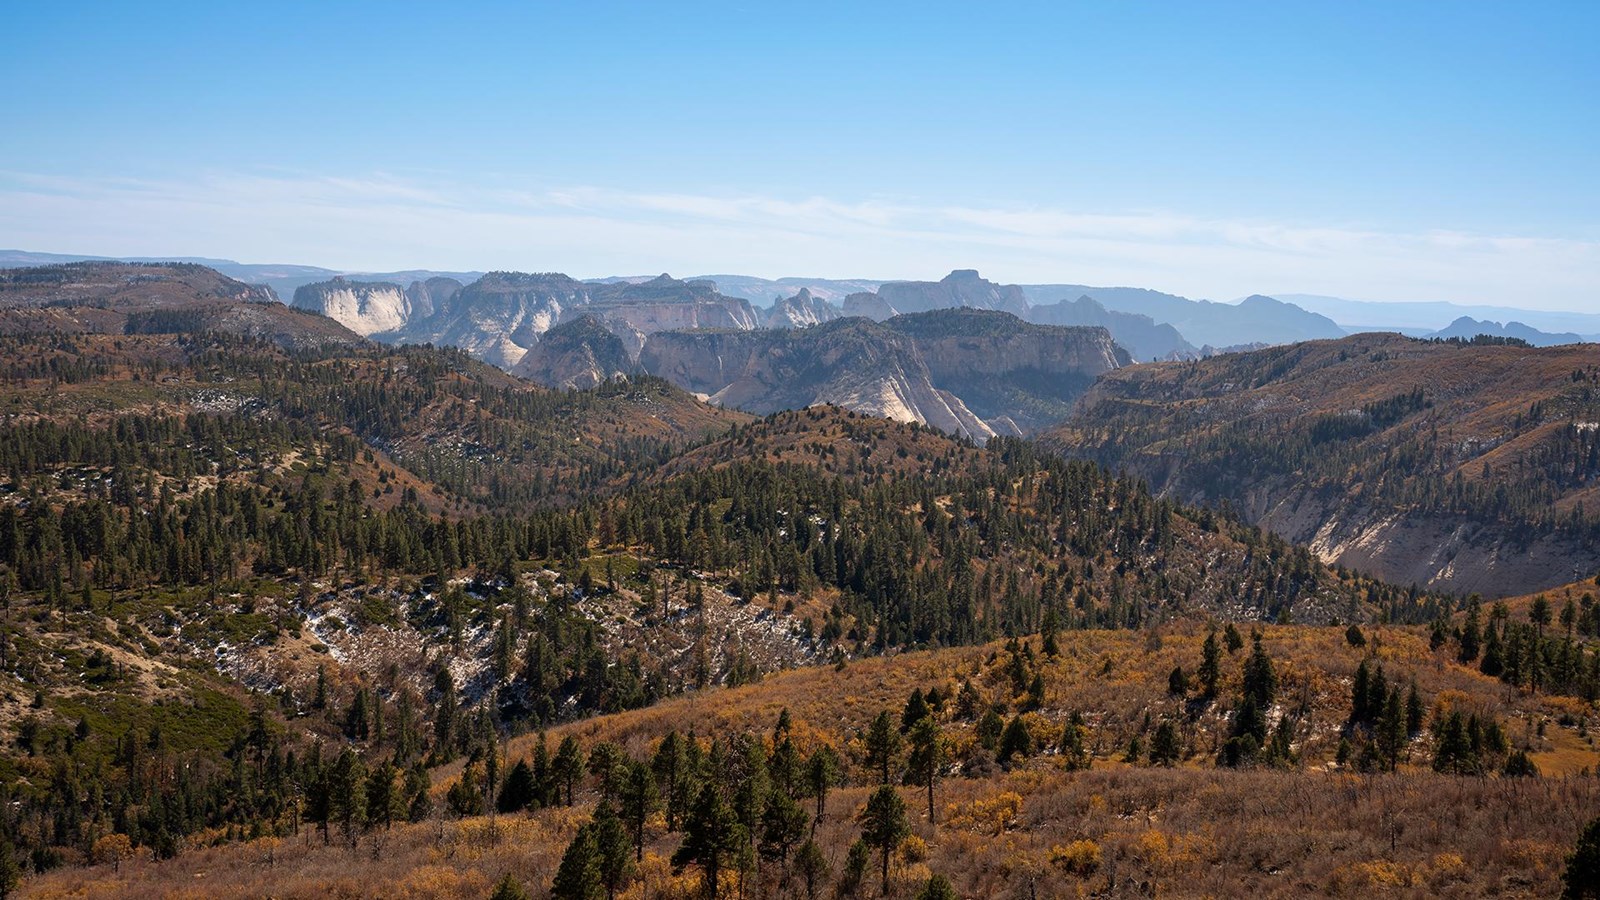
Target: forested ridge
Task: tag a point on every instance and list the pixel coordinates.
(262, 594)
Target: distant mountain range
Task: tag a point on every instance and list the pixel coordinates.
(498, 318)
(972, 372)
(1422, 317)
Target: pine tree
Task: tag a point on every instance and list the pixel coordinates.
(1016, 741)
(712, 838)
(638, 799)
(883, 745)
(1581, 879)
(884, 825)
(578, 877)
(937, 888)
(916, 709)
(927, 758)
(822, 771)
(348, 794)
(1074, 752)
(1165, 747)
(612, 844)
(1260, 679)
(812, 866)
(783, 824)
(509, 888)
(418, 792)
(518, 791)
(567, 767)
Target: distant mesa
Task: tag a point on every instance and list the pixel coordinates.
(164, 298)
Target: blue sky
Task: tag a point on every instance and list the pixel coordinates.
(1383, 151)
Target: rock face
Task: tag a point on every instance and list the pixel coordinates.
(431, 294)
(365, 307)
(1143, 337)
(496, 318)
(976, 373)
(801, 311)
(635, 311)
(499, 317)
(575, 355)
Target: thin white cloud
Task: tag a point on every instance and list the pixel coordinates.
(381, 221)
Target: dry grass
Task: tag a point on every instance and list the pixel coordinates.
(1038, 830)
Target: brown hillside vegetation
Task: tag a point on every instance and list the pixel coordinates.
(1459, 467)
(1037, 826)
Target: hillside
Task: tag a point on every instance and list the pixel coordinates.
(1054, 802)
(118, 298)
(1466, 467)
(244, 585)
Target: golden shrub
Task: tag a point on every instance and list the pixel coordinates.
(1080, 858)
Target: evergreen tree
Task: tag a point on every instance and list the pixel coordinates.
(1016, 741)
(518, 791)
(812, 866)
(567, 767)
(638, 799)
(883, 745)
(783, 824)
(578, 877)
(347, 794)
(712, 839)
(1260, 679)
(1074, 752)
(822, 771)
(1581, 879)
(916, 710)
(937, 888)
(1165, 747)
(884, 825)
(613, 846)
(926, 758)
(509, 888)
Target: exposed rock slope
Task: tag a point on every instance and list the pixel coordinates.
(802, 310)
(972, 372)
(576, 355)
(365, 307)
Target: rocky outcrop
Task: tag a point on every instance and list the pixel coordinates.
(496, 318)
(499, 317)
(976, 373)
(801, 311)
(575, 355)
(431, 294)
(365, 307)
(635, 311)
